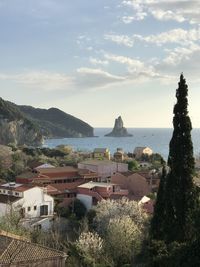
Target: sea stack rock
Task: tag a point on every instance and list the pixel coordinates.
(119, 130)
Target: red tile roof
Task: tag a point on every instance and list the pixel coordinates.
(57, 170)
(20, 188)
(17, 251)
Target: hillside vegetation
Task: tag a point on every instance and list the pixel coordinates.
(27, 125)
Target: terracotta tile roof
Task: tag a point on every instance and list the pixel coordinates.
(24, 187)
(57, 170)
(17, 251)
(17, 187)
(68, 186)
(85, 171)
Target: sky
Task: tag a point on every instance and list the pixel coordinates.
(98, 59)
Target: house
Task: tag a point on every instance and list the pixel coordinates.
(104, 168)
(119, 155)
(153, 178)
(60, 182)
(135, 183)
(57, 175)
(34, 204)
(16, 251)
(92, 192)
(101, 153)
(140, 151)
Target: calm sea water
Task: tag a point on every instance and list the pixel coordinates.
(157, 139)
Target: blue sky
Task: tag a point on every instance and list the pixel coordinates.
(98, 59)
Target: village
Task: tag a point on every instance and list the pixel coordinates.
(42, 190)
(46, 193)
(37, 190)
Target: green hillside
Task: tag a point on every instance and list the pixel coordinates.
(56, 123)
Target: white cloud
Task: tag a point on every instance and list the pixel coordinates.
(41, 80)
(167, 15)
(135, 67)
(128, 19)
(174, 36)
(181, 59)
(179, 36)
(96, 61)
(96, 78)
(120, 39)
(180, 54)
(163, 10)
(138, 16)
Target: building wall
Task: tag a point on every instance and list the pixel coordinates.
(34, 197)
(105, 170)
(140, 151)
(135, 183)
(147, 151)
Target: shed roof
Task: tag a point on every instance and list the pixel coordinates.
(18, 251)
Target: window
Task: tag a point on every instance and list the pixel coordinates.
(29, 208)
(16, 194)
(22, 212)
(35, 207)
(43, 210)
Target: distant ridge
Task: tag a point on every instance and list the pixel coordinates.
(28, 125)
(55, 123)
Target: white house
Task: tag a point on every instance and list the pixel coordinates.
(35, 206)
(104, 168)
(139, 151)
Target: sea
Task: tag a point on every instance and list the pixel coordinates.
(156, 138)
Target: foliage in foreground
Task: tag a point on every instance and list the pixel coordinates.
(116, 235)
(175, 224)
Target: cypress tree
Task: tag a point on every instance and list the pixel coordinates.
(158, 220)
(181, 198)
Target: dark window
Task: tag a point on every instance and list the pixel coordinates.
(22, 212)
(35, 207)
(29, 208)
(44, 210)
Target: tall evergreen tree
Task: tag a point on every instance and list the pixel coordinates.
(158, 220)
(181, 198)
